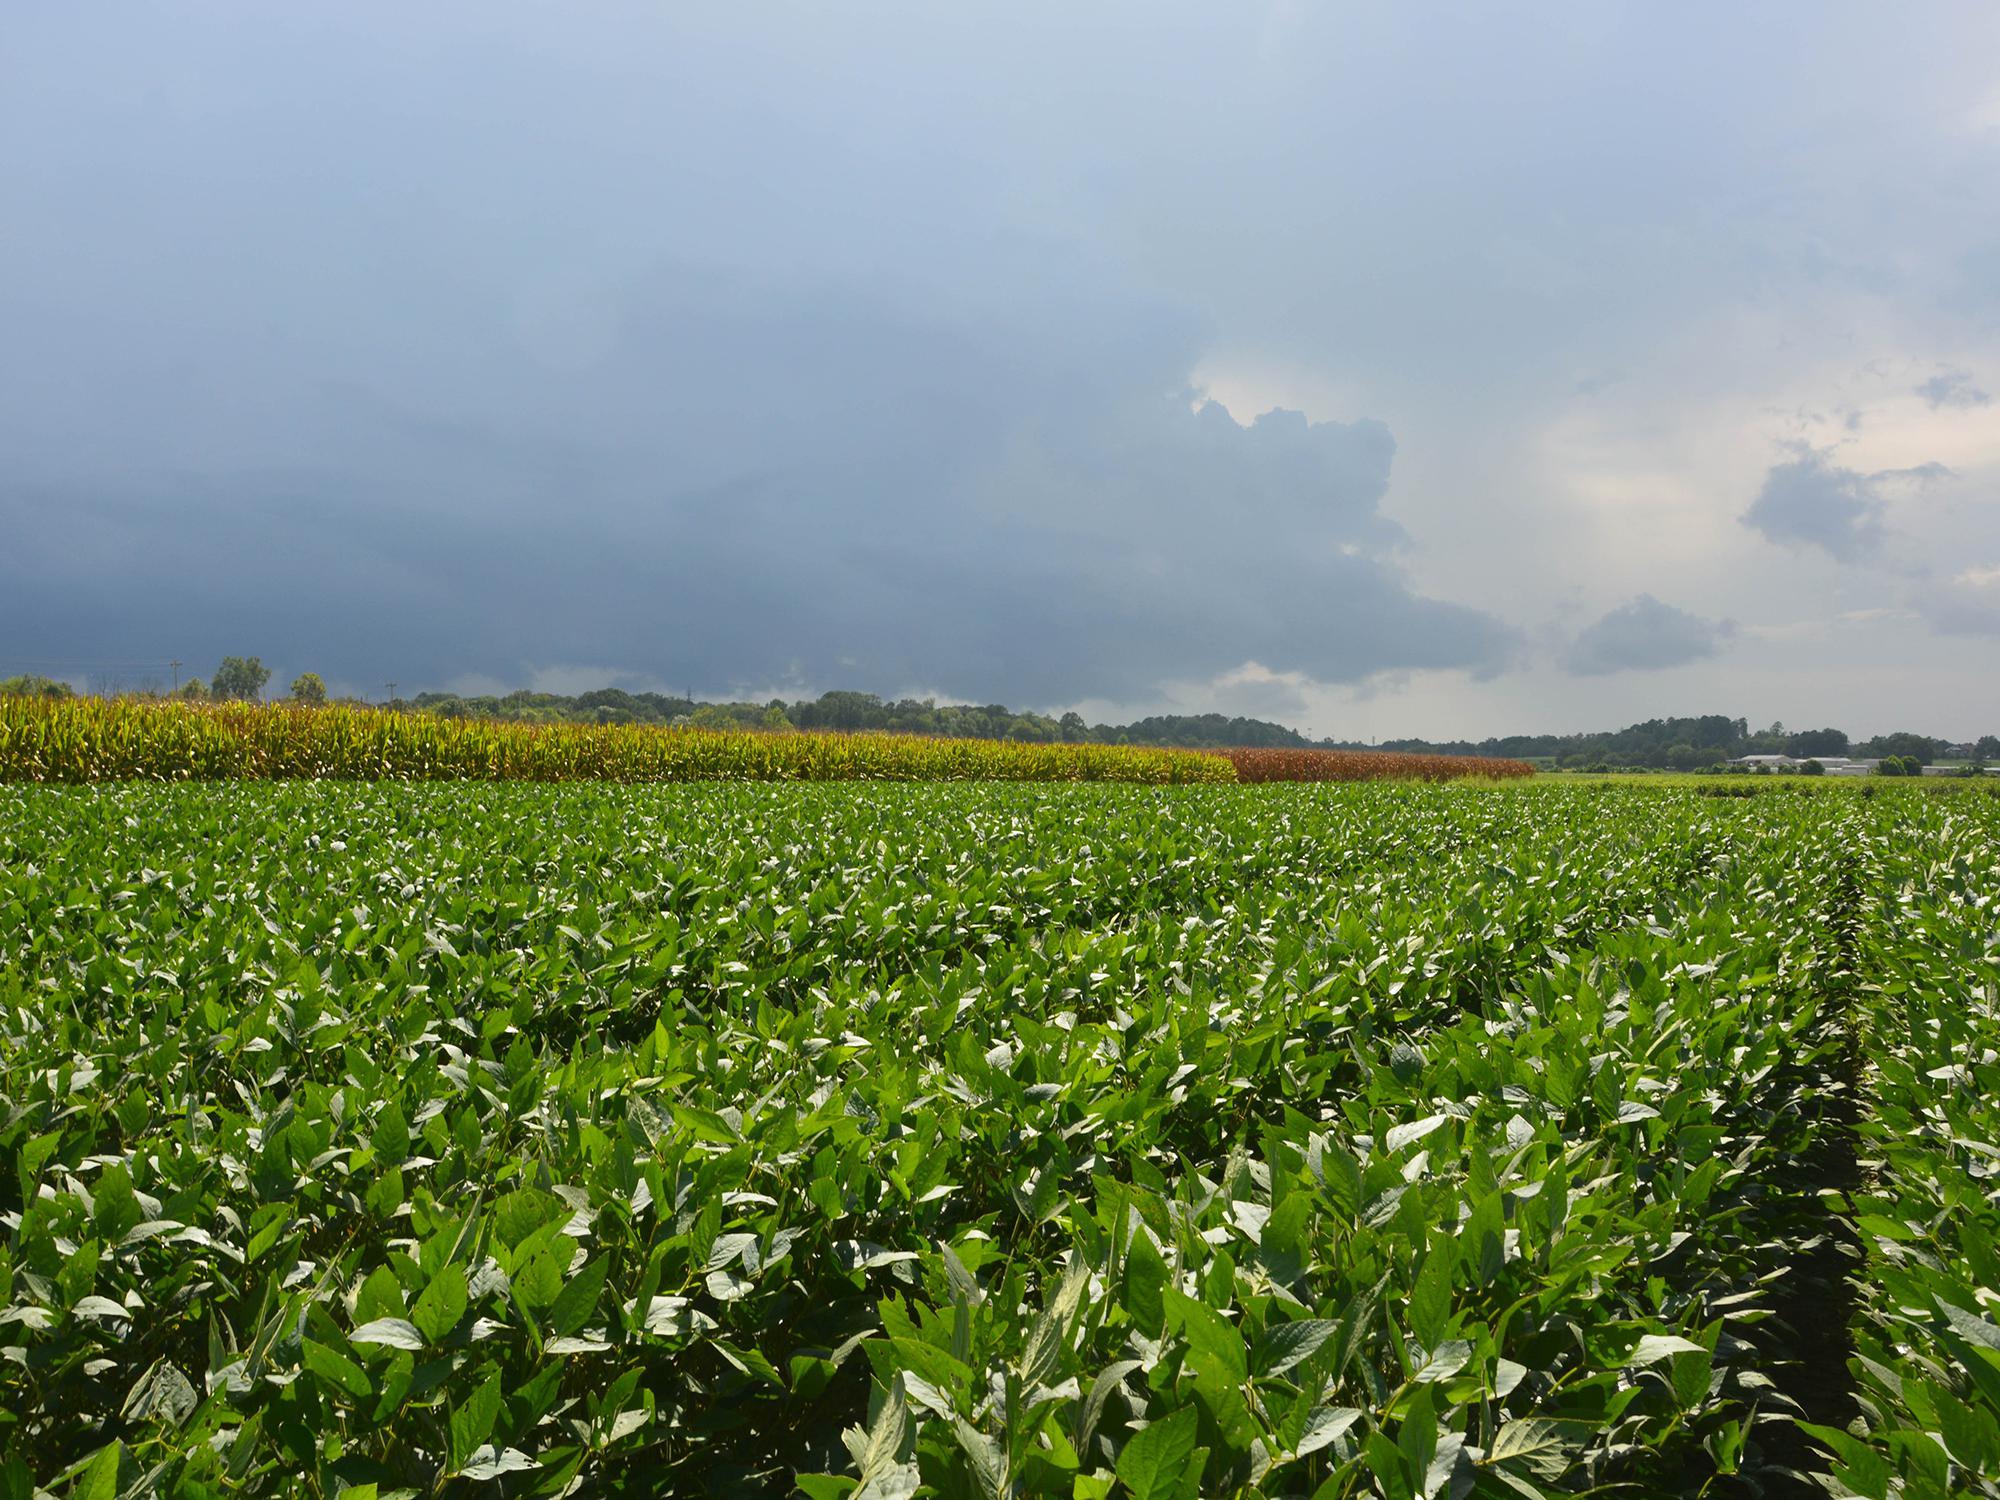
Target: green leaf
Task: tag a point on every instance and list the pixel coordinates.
(1545, 1447)
(394, 1332)
(1389, 1466)
(1212, 1338)
(1861, 1469)
(1354, 1325)
(1145, 1276)
(100, 1480)
(1325, 1425)
(1342, 1175)
(335, 1370)
(1971, 1436)
(1444, 1362)
(381, 1296)
(1400, 1136)
(1417, 1438)
(985, 1456)
(751, 1362)
(1048, 1337)
(1970, 1326)
(539, 1282)
(578, 1299)
(441, 1305)
(161, 1393)
(517, 1215)
(488, 1462)
(1288, 1345)
(1152, 1460)
(472, 1420)
(1109, 1379)
(878, 1452)
(1430, 1299)
(706, 1124)
(390, 1140)
(1657, 1346)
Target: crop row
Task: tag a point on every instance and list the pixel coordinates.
(89, 740)
(1369, 765)
(1926, 1205)
(1083, 1140)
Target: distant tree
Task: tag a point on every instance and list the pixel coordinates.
(1073, 727)
(1812, 768)
(731, 716)
(1899, 765)
(309, 690)
(239, 677)
(841, 710)
(1813, 742)
(1987, 747)
(1920, 747)
(193, 688)
(32, 686)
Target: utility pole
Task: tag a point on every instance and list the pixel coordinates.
(177, 674)
(392, 693)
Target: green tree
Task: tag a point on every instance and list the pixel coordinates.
(193, 688)
(309, 690)
(239, 677)
(1811, 742)
(32, 686)
(1918, 747)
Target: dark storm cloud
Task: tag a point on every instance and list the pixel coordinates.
(1645, 635)
(709, 369)
(749, 482)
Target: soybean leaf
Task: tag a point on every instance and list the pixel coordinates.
(1152, 1461)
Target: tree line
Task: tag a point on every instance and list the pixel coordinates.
(1693, 744)
(1682, 744)
(239, 679)
(856, 712)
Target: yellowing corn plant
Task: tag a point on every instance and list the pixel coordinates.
(88, 740)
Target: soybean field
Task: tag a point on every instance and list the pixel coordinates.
(992, 1140)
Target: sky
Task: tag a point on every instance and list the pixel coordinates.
(1384, 370)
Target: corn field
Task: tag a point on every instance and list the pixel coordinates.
(1367, 765)
(93, 740)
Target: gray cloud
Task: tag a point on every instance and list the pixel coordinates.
(752, 481)
(1645, 635)
(1813, 502)
(1953, 388)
